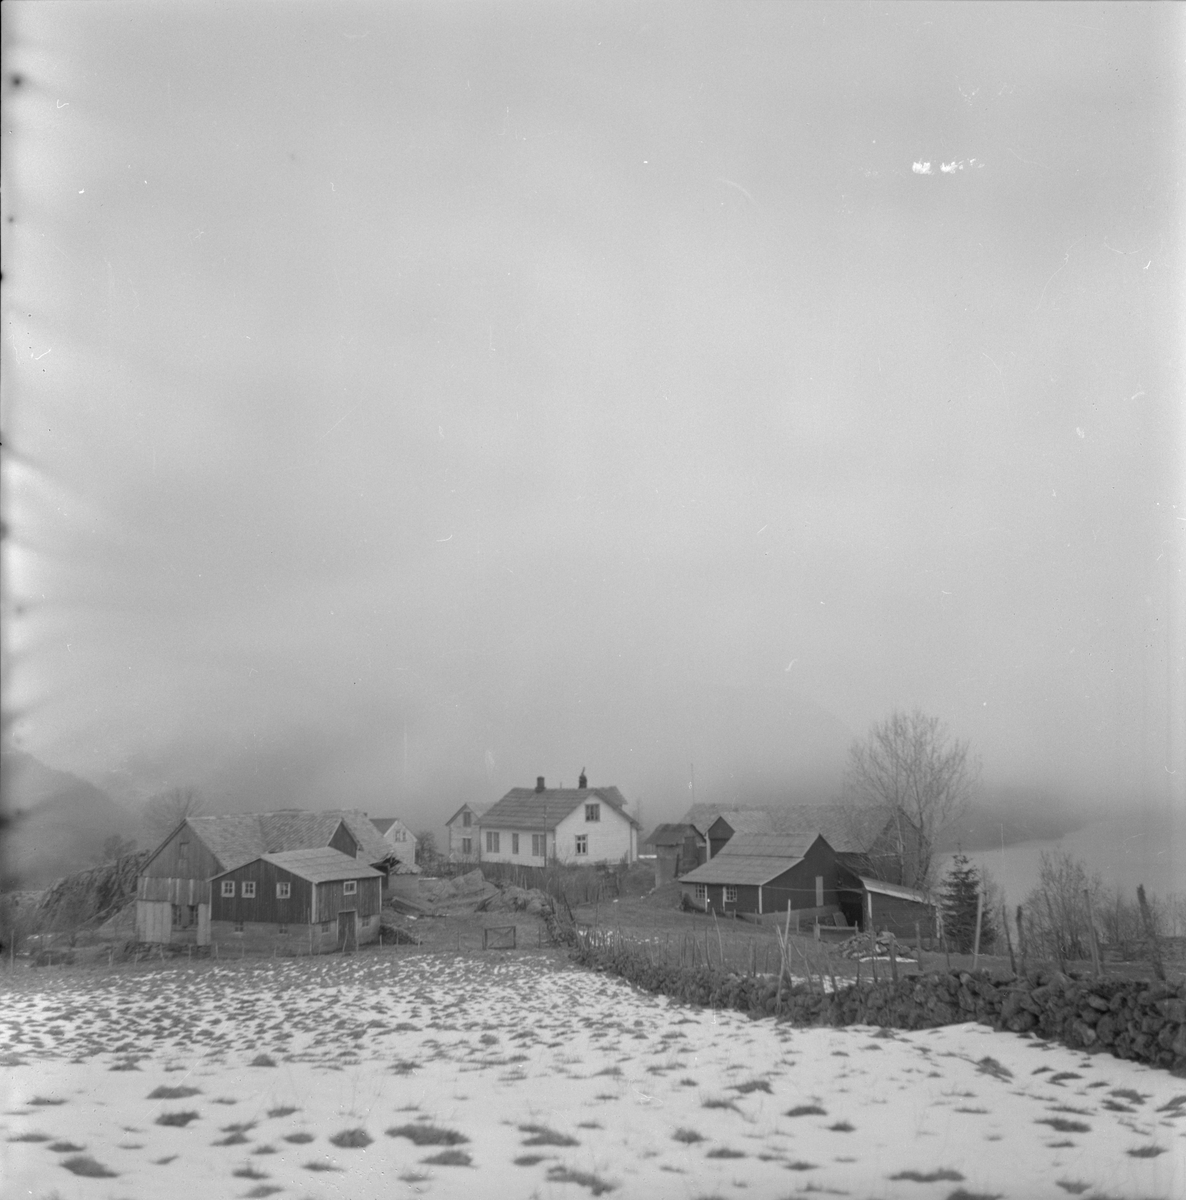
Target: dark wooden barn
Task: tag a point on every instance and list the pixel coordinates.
(304, 901)
(887, 906)
(678, 849)
(763, 873)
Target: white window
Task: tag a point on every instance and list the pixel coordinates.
(350, 887)
(228, 887)
(467, 846)
(538, 842)
(819, 891)
(283, 891)
(582, 843)
(514, 843)
(491, 842)
(730, 894)
(248, 889)
(702, 892)
(592, 812)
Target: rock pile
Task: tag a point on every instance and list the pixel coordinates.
(517, 899)
(866, 946)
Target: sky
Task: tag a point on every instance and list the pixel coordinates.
(404, 401)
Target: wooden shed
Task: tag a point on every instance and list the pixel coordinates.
(887, 906)
(763, 873)
(304, 901)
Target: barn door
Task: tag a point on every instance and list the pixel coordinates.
(347, 932)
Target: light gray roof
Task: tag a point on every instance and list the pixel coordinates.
(321, 865)
(477, 809)
(525, 808)
(235, 838)
(752, 858)
(896, 890)
(849, 829)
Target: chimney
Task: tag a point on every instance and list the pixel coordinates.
(539, 783)
(583, 782)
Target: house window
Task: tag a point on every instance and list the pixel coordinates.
(325, 927)
(514, 843)
(193, 914)
(183, 853)
(176, 916)
(702, 892)
(248, 889)
(538, 841)
(238, 926)
(465, 820)
(491, 842)
(819, 891)
(283, 891)
(730, 894)
(228, 887)
(467, 846)
(350, 887)
(592, 812)
(282, 929)
(582, 843)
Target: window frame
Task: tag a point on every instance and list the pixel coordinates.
(466, 820)
(248, 889)
(582, 845)
(539, 845)
(228, 889)
(283, 891)
(593, 814)
(730, 893)
(492, 842)
(467, 846)
(349, 887)
(819, 891)
(514, 843)
(702, 892)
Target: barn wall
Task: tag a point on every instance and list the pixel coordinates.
(344, 841)
(183, 856)
(172, 891)
(747, 897)
(796, 886)
(331, 900)
(259, 937)
(154, 921)
(898, 915)
(265, 907)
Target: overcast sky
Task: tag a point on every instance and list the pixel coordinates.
(414, 399)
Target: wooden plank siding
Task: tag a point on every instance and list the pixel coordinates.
(265, 907)
(796, 887)
(331, 899)
(344, 841)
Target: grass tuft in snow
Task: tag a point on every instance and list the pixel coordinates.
(717, 1103)
(262, 1060)
(319, 1165)
(990, 1066)
(754, 1085)
(1073, 1186)
(1062, 1125)
(450, 1158)
(173, 1093)
(541, 1135)
(529, 1160)
(299, 1139)
(83, 1164)
(688, 1136)
(180, 1119)
(65, 1148)
(842, 1127)
(801, 1166)
(30, 1137)
(944, 1174)
(260, 1191)
(285, 1110)
(248, 1172)
(724, 1152)
(425, 1134)
(352, 1139)
(961, 1194)
(806, 1110)
(594, 1183)
(43, 1100)
(1149, 1151)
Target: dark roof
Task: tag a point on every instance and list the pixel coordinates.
(848, 829)
(382, 824)
(320, 865)
(236, 838)
(526, 808)
(671, 835)
(752, 858)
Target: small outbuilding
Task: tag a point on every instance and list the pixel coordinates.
(677, 848)
(888, 907)
(301, 901)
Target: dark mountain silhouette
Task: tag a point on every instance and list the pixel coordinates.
(54, 822)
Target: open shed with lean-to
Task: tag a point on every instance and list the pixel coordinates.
(887, 907)
(297, 901)
(762, 873)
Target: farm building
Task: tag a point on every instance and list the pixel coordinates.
(302, 900)
(767, 873)
(461, 830)
(398, 836)
(677, 850)
(887, 906)
(871, 841)
(173, 889)
(573, 825)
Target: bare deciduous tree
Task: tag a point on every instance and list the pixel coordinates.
(910, 763)
(166, 810)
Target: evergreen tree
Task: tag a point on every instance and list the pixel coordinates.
(959, 890)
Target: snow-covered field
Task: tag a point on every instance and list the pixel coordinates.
(520, 1076)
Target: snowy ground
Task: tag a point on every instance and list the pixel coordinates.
(519, 1076)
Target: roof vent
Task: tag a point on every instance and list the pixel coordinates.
(582, 783)
(539, 783)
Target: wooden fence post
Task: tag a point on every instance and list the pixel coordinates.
(1008, 939)
(1054, 933)
(1096, 965)
(893, 958)
(1021, 936)
(918, 945)
(1150, 933)
(979, 922)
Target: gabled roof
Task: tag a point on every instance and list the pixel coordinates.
(382, 824)
(236, 838)
(672, 835)
(526, 808)
(321, 865)
(895, 890)
(849, 829)
(477, 809)
(752, 858)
